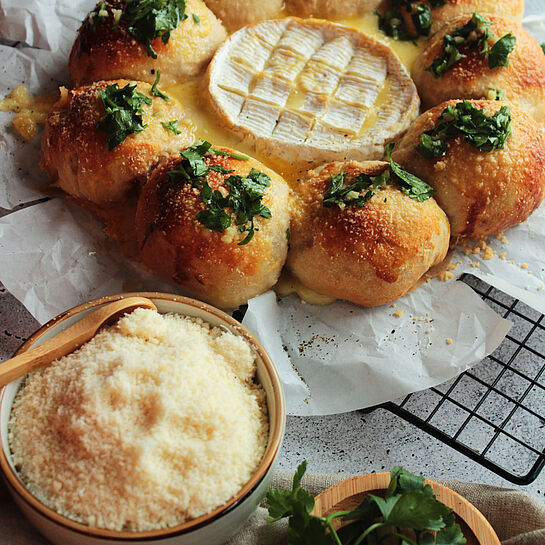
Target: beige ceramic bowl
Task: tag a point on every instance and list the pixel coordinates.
(210, 529)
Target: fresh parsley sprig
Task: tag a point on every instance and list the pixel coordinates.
(172, 126)
(150, 19)
(245, 192)
(473, 34)
(353, 194)
(484, 132)
(409, 504)
(124, 111)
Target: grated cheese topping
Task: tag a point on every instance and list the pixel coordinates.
(154, 422)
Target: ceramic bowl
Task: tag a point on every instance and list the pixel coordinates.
(210, 529)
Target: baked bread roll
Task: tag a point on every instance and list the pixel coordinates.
(331, 9)
(218, 266)
(237, 13)
(481, 192)
(75, 150)
(522, 82)
(106, 49)
(370, 254)
(512, 10)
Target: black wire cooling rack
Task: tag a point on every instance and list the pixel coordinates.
(497, 406)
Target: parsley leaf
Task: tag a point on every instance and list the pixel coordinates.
(196, 18)
(172, 126)
(479, 129)
(499, 54)
(150, 19)
(155, 91)
(473, 34)
(351, 195)
(410, 184)
(543, 47)
(244, 197)
(123, 112)
(392, 23)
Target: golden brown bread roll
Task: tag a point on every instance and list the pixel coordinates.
(371, 254)
(212, 265)
(237, 13)
(522, 82)
(105, 49)
(331, 9)
(75, 151)
(481, 192)
(512, 10)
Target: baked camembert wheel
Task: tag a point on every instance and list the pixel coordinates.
(309, 91)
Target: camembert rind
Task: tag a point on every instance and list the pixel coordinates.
(311, 91)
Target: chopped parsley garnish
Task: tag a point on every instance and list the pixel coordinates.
(150, 19)
(123, 112)
(484, 132)
(495, 94)
(172, 126)
(364, 186)
(499, 54)
(474, 34)
(196, 18)
(100, 12)
(392, 23)
(543, 47)
(244, 197)
(155, 91)
(352, 195)
(409, 503)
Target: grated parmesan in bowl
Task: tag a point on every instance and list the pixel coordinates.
(155, 422)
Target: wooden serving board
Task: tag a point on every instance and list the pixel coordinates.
(350, 493)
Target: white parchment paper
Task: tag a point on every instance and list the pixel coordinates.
(336, 358)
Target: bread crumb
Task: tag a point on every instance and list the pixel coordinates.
(448, 340)
(475, 264)
(398, 313)
(504, 240)
(524, 266)
(446, 276)
(539, 288)
(502, 255)
(393, 305)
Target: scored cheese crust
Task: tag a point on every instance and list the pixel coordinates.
(75, 153)
(482, 193)
(523, 81)
(211, 265)
(237, 13)
(310, 91)
(370, 255)
(109, 51)
(331, 9)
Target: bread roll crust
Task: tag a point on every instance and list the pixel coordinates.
(331, 9)
(75, 153)
(482, 193)
(370, 255)
(109, 51)
(512, 10)
(211, 265)
(523, 81)
(237, 13)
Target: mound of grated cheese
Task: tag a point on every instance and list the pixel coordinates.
(154, 422)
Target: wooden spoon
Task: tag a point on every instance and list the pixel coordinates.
(70, 339)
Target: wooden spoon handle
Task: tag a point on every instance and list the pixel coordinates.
(68, 340)
(60, 345)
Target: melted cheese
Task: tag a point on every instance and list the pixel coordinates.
(31, 111)
(288, 284)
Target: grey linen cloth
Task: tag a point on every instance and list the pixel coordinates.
(517, 517)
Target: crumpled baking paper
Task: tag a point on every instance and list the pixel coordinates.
(336, 358)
